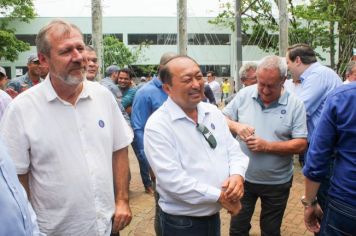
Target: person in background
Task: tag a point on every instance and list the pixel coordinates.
(26, 81)
(317, 82)
(225, 88)
(335, 133)
(92, 60)
(350, 72)
(127, 88)
(71, 153)
(247, 74)
(271, 126)
(209, 95)
(198, 170)
(143, 81)
(214, 85)
(5, 98)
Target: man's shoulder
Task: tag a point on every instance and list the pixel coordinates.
(344, 90)
(148, 90)
(17, 80)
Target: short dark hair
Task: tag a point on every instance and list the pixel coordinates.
(211, 72)
(127, 71)
(165, 74)
(303, 51)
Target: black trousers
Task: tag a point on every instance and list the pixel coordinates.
(274, 200)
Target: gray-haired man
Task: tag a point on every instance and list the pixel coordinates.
(271, 126)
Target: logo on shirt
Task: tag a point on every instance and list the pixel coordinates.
(101, 123)
(283, 112)
(212, 126)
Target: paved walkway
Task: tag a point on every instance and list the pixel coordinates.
(142, 206)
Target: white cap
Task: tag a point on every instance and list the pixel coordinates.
(2, 71)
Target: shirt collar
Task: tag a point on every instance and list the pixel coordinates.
(177, 113)
(157, 82)
(51, 94)
(282, 100)
(308, 71)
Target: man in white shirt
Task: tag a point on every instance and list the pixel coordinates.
(199, 166)
(69, 140)
(214, 85)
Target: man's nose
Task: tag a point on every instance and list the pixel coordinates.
(77, 55)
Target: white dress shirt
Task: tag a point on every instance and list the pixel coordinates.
(215, 87)
(5, 100)
(189, 172)
(68, 152)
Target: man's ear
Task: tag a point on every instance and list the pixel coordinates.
(43, 59)
(298, 60)
(167, 88)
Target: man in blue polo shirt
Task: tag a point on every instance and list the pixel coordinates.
(147, 100)
(271, 126)
(335, 133)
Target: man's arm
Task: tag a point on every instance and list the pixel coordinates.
(128, 98)
(123, 213)
(293, 146)
(312, 213)
(242, 130)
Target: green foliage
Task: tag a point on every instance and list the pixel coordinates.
(312, 24)
(10, 10)
(116, 52)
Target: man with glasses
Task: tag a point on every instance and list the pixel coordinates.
(26, 81)
(271, 126)
(199, 166)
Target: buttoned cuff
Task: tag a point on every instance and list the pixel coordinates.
(213, 194)
(238, 170)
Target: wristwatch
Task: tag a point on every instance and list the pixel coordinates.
(309, 203)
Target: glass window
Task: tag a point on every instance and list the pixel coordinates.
(220, 70)
(209, 39)
(28, 38)
(136, 39)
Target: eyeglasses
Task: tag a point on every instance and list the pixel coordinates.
(207, 135)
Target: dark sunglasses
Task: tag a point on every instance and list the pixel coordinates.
(207, 135)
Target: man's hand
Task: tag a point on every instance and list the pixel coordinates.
(312, 218)
(232, 207)
(122, 216)
(233, 187)
(11, 92)
(257, 144)
(243, 131)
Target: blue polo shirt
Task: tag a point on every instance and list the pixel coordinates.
(147, 100)
(283, 120)
(336, 133)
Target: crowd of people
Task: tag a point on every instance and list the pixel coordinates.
(64, 138)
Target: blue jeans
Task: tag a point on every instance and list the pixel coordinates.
(143, 163)
(339, 219)
(173, 225)
(273, 203)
